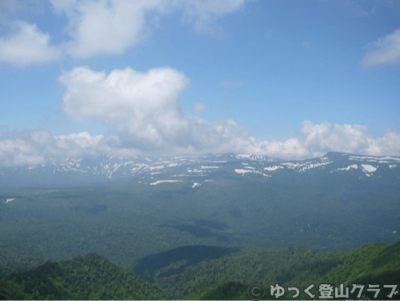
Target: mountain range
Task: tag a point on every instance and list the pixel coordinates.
(197, 170)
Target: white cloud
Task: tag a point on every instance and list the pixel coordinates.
(112, 26)
(325, 136)
(351, 138)
(18, 152)
(199, 107)
(144, 109)
(312, 140)
(26, 46)
(40, 146)
(386, 51)
(143, 105)
(103, 27)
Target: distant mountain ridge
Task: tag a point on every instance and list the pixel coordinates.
(185, 168)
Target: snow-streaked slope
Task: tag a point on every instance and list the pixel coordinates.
(194, 169)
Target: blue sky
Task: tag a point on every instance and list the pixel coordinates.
(290, 79)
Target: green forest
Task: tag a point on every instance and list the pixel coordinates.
(206, 272)
(295, 236)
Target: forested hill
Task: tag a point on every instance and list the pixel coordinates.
(227, 276)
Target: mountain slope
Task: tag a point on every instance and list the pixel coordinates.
(84, 277)
(228, 277)
(195, 169)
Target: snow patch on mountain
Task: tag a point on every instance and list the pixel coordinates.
(243, 171)
(361, 158)
(165, 181)
(251, 157)
(291, 165)
(156, 167)
(313, 165)
(368, 168)
(349, 167)
(272, 168)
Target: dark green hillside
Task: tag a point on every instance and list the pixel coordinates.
(84, 277)
(368, 264)
(201, 272)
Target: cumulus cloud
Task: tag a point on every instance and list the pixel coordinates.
(142, 105)
(112, 26)
(103, 27)
(40, 147)
(385, 51)
(144, 109)
(311, 140)
(349, 138)
(314, 140)
(27, 45)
